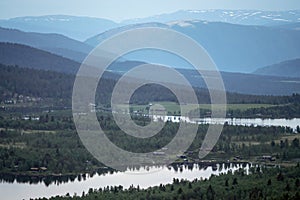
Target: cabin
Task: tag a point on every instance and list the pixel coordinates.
(267, 158)
(43, 168)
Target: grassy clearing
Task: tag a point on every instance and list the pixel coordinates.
(29, 131)
(243, 107)
(20, 145)
(247, 143)
(290, 138)
(38, 131)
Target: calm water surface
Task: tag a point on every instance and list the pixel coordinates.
(292, 123)
(144, 177)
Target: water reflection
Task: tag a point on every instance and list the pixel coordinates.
(63, 179)
(13, 187)
(291, 123)
(47, 180)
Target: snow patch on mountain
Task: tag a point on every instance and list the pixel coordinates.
(181, 23)
(283, 20)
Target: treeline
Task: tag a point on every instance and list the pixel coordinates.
(46, 121)
(290, 110)
(283, 107)
(16, 81)
(261, 183)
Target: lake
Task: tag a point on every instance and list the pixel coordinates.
(144, 177)
(292, 123)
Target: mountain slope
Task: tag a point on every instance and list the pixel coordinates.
(29, 57)
(78, 28)
(235, 48)
(248, 83)
(291, 26)
(245, 17)
(47, 84)
(33, 82)
(54, 43)
(81, 28)
(290, 68)
(97, 39)
(241, 48)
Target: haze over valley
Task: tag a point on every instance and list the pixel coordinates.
(151, 125)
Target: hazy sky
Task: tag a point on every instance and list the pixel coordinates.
(125, 9)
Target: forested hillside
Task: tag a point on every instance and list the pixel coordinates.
(26, 56)
(48, 84)
(289, 68)
(54, 43)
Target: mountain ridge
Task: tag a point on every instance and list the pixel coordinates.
(289, 68)
(46, 41)
(235, 48)
(243, 17)
(89, 26)
(30, 57)
(75, 27)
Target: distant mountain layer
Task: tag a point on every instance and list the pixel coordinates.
(97, 39)
(248, 83)
(235, 48)
(78, 28)
(29, 57)
(81, 28)
(54, 43)
(290, 68)
(245, 17)
(292, 26)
